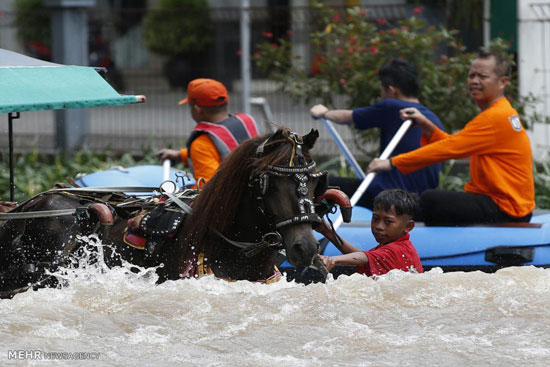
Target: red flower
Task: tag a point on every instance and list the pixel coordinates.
(239, 52)
(363, 11)
(274, 45)
(268, 34)
(339, 50)
(418, 10)
(336, 18)
(373, 49)
(40, 48)
(404, 28)
(343, 81)
(393, 32)
(381, 21)
(257, 54)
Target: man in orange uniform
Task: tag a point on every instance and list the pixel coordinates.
(217, 132)
(501, 164)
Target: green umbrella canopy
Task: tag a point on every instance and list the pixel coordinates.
(28, 84)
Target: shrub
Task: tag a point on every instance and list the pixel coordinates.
(178, 27)
(349, 49)
(35, 173)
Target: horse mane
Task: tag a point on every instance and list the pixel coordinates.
(217, 205)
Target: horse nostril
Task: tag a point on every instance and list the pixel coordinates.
(302, 253)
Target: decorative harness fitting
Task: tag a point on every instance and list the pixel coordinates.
(301, 175)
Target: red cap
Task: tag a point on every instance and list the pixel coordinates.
(205, 93)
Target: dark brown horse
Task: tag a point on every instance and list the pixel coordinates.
(261, 201)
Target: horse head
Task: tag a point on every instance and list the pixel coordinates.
(260, 201)
(285, 183)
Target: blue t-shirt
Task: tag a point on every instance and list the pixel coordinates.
(385, 115)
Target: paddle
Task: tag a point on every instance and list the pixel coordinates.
(368, 179)
(343, 148)
(166, 170)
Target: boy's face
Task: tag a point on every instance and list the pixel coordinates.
(387, 226)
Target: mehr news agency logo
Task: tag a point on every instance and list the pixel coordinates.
(25, 354)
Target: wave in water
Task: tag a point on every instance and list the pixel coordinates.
(124, 319)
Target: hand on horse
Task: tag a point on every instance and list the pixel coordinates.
(172, 154)
(328, 261)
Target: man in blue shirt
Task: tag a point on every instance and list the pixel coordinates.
(399, 89)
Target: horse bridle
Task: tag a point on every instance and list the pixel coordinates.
(259, 183)
(301, 174)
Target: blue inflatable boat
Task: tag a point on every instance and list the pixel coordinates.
(481, 247)
(138, 176)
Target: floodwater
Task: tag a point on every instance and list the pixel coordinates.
(119, 318)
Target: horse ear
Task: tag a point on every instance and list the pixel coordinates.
(310, 138)
(279, 134)
(262, 149)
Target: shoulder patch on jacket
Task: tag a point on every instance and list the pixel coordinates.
(516, 123)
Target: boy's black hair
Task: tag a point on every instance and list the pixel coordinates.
(404, 203)
(400, 74)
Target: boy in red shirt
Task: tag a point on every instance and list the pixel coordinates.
(392, 220)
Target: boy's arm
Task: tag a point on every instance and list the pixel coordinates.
(354, 259)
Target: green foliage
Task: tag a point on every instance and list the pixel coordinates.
(349, 49)
(337, 167)
(35, 173)
(178, 27)
(542, 185)
(449, 180)
(33, 22)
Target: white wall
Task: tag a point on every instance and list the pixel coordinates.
(534, 66)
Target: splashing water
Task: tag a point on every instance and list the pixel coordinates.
(120, 317)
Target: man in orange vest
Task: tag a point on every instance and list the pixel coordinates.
(501, 188)
(217, 132)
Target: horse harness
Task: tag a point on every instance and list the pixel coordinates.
(259, 183)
